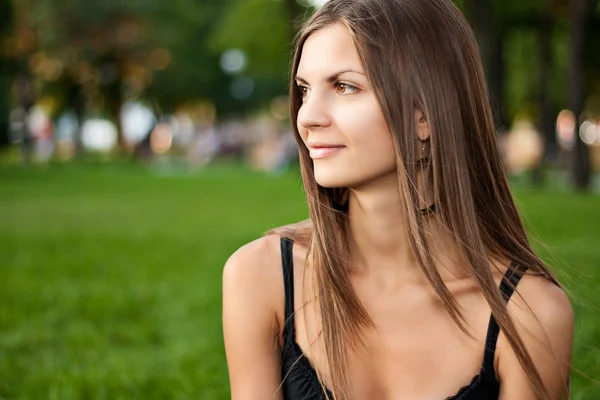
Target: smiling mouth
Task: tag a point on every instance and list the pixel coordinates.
(322, 152)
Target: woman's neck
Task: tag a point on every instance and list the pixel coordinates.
(379, 241)
(377, 226)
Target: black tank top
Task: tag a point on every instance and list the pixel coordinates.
(300, 380)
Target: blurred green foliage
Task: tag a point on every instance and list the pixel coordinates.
(166, 52)
(111, 275)
(117, 40)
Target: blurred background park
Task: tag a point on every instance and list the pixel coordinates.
(142, 142)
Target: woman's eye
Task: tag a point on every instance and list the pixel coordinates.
(303, 91)
(344, 88)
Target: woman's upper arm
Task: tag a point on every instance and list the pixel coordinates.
(544, 318)
(252, 291)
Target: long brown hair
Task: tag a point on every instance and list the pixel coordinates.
(418, 54)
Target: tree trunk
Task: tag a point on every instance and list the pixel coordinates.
(496, 79)
(489, 35)
(4, 105)
(6, 15)
(581, 171)
(114, 100)
(76, 102)
(545, 114)
(114, 106)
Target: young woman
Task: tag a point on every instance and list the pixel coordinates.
(400, 286)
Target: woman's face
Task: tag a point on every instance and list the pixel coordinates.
(340, 120)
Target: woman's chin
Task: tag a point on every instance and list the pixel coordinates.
(331, 180)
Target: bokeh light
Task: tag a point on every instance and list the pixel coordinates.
(161, 138)
(233, 61)
(137, 121)
(565, 129)
(98, 135)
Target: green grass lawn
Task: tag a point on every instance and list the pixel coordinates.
(110, 277)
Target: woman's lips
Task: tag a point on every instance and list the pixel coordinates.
(322, 152)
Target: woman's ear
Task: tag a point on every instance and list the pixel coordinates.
(422, 125)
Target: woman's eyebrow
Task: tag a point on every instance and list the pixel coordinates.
(331, 78)
(334, 77)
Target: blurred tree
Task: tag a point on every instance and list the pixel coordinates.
(582, 12)
(489, 23)
(544, 28)
(509, 33)
(591, 57)
(6, 16)
(503, 29)
(266, 40)
(183, 28)
(92, 57)
(550, 22)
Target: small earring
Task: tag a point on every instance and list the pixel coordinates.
(424, 158)
(430, 209)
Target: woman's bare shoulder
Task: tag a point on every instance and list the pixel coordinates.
(253, 302)
(539, 301)
(545, 321)
(256, 264)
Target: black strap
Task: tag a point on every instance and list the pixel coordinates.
(509, 282)
(288, 285)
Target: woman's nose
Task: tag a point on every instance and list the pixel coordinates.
(314, 112)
